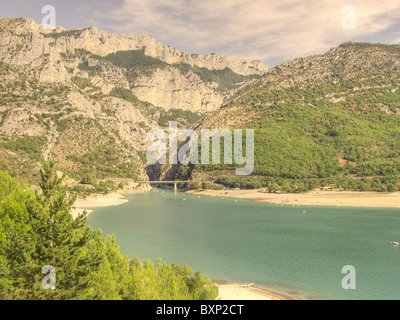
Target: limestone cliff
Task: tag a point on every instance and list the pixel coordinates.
(43, 51)
(102, 43)
(86, 98)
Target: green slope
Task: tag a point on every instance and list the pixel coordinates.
(322, 120)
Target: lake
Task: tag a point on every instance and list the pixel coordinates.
(273, 246)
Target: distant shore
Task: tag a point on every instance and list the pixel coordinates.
(318, 198)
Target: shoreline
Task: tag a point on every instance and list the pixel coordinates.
(245, 292)
(227, 291)
(103, 200)
(312, 198)
(97, 201)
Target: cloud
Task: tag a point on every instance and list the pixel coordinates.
(259, 29)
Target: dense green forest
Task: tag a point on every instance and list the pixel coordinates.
(37, 230)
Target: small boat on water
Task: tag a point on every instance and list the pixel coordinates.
(395, 243)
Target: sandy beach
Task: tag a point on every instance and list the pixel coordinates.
(107, 200)
(319, 198)
(244, 292)
(96, 201)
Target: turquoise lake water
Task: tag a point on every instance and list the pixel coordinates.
(272, 246)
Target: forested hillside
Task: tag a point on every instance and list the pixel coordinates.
(327, 120)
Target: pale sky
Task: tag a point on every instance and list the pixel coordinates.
(268, 30)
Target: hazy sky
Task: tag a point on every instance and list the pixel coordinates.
(269, 30)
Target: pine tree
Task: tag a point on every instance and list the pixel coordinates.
(63, 238)
(54, 239)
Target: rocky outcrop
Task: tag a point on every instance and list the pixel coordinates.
(34, 45)
(170, 88)
(50, 56)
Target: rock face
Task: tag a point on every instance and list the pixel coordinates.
(43, 52)
(60, 88)
(170, 88)
(101, 43)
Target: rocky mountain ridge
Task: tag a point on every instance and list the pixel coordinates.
(49, 55)
(43, 40)
(86, 99)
